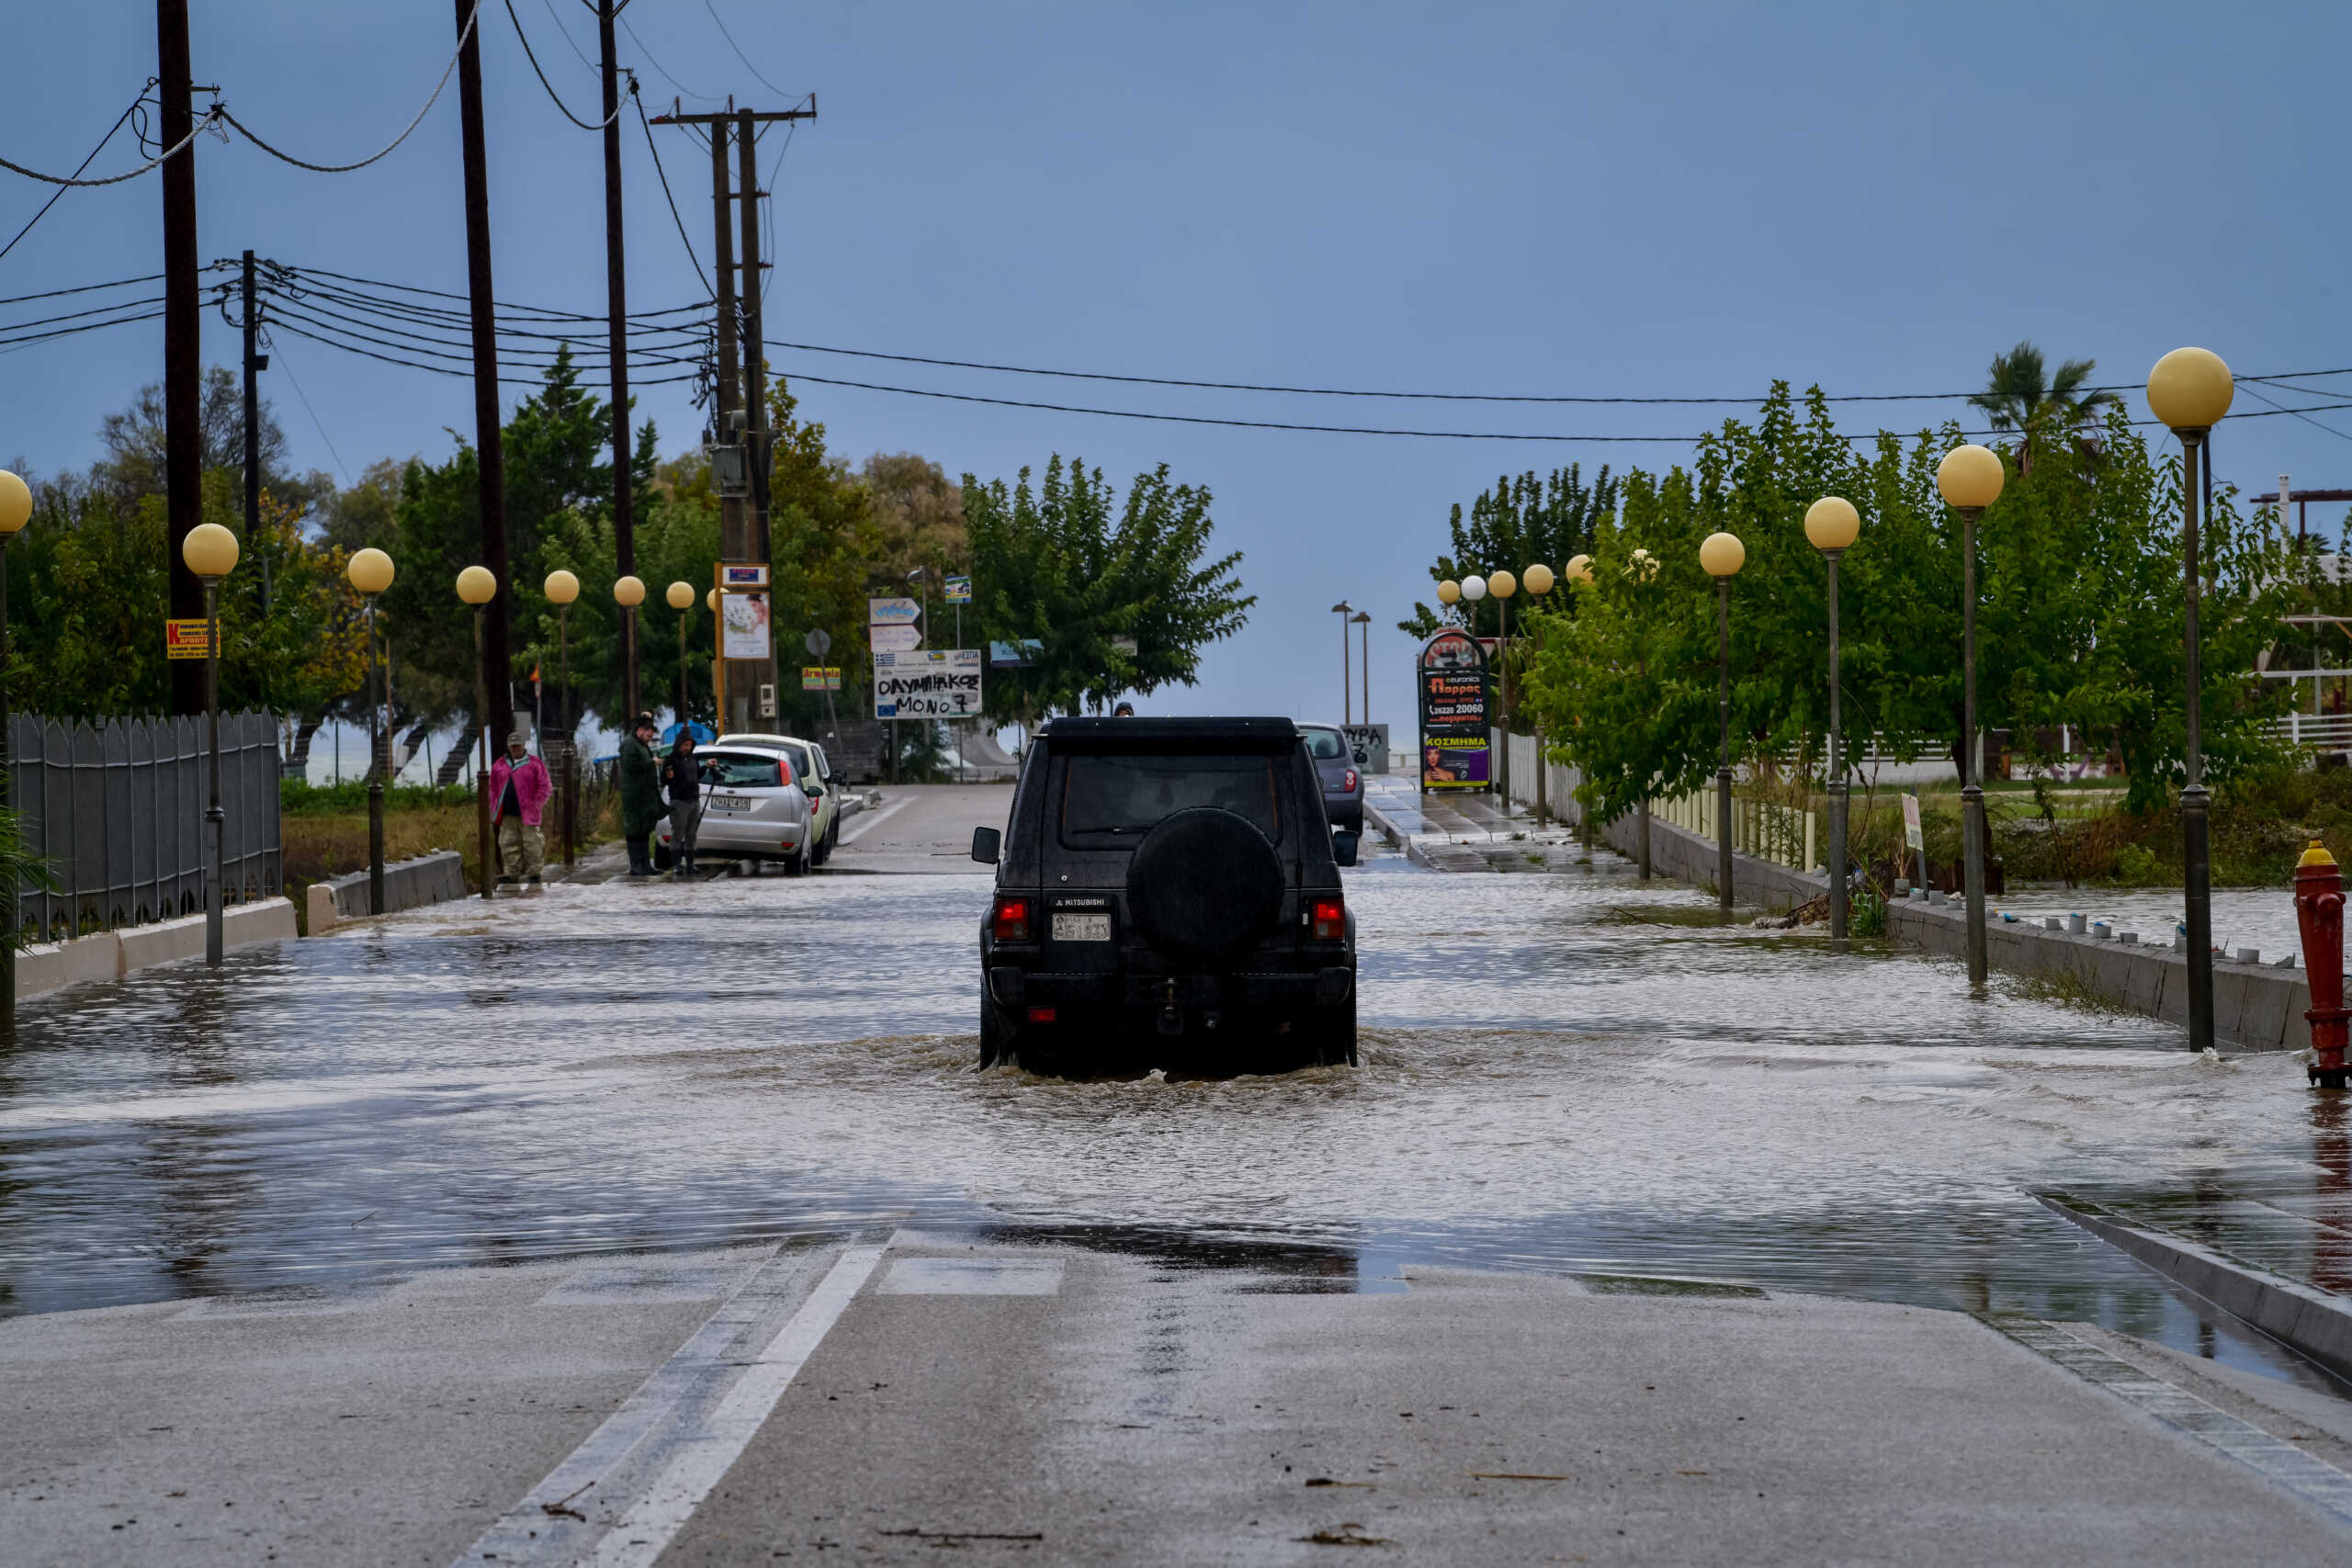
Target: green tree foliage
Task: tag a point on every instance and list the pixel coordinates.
(827, 546)
(677, 540)
(1064, 564)
(2021, 395)
(1521, 522)
(2080, 621)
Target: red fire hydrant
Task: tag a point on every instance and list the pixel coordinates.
(2319, 911)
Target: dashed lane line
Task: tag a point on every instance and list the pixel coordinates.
(622, 1495)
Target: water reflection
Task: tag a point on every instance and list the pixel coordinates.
(1561, 1074)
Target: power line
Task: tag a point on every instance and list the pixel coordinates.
(215, 113)
(635, 98)
(58, 194)
(592, 65)
(83, 288)
(553, 97)
(704, 97)
(473, 15)
(2302, 415)
(738, 48)
(287, 366)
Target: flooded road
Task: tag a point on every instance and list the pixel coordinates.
(1572, 1074)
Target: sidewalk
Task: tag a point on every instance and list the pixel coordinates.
(1472, 833)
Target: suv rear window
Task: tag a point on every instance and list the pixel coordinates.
(739, 770)
(1126, 797)
(1325, 745)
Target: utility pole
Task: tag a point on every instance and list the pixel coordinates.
(488, 450)
(616, 304)
(183, 338)
(254, 365)
(743, 383)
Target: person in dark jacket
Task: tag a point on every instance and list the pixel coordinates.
(682, 780)
(640, 780)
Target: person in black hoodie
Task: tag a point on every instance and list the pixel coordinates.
(682, 778)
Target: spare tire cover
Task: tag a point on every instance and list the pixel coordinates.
(1204, 887)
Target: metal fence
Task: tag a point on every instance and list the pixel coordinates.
(117, 812)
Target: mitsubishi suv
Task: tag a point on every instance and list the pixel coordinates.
(1167, 895)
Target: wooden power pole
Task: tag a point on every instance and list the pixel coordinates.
(739, 420)
(487, 448)
(616, 304)
(183, 338)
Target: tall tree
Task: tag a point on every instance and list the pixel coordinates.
(2021, 395)
(1520, 521)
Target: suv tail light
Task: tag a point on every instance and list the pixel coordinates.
(1012, 920)
(1347, 781)
(1327, 921)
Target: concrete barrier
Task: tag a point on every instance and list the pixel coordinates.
(110, 955)
(408, 885)
(1685, 856)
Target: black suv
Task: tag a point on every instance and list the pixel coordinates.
(1167, 895)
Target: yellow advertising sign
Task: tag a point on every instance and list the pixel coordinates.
(820, 678)
(183, 639)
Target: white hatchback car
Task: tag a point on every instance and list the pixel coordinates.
(753, 809)
(815, 772)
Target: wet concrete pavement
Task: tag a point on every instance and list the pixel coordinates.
(366, 1173)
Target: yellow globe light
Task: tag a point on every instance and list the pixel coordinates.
(477, 586)
(1448, 592)
(1722, 553)
(1474, 589)
(710, 601)
(1579, 568)
(629, 593)
(1539, 579)
(681, 595)
(560, 588)
(370, 571)
(2190, 388)
(1502, 585)
(1832, 523)
(16, 502)
(209, 550)
(1642, 564)
(1970, 476)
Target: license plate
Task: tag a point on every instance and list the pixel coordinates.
(731, 803)
(1081, 927)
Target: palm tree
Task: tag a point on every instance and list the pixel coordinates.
(2021, 395)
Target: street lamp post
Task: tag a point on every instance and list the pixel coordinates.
(2190, 390)
(1347, 678)
(1364, 664)
(629, 593)
(1832, 525)
(15, 511)
(1538, 580)
(1579, 570)
(477, 586)
(1502, 585)
(681, 596)
(370, 571)
(562, 589)
(211, 552)
(1472, 589)
(1969, 477)
(1721, 556)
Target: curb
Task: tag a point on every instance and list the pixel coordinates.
(2316, 1321)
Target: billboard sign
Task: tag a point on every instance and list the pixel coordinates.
(821, 677)
(939, 683)
(743, 626)
(959, 591)
(186, 639)
(742, 577)
(1451, 676)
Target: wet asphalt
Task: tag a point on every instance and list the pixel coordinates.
(1567, 1079)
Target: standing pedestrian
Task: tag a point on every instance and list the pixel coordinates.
(640, 794)
(682, 778)
(519, 787)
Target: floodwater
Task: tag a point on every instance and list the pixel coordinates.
(1567, 1073)
(2259, 918)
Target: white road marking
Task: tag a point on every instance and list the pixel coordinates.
(873, 820)
(706, 1455)
(971, 1277)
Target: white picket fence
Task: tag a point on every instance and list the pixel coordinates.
(1759, 829)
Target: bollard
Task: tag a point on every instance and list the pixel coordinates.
(2319, 914)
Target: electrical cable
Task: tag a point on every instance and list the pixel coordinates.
(635, 98)
(83, 288)
(2300, 414)
(539, 311)
(738, 48)
(70, 331)
(689, 92)
(75, 315)
(472, 16)
(203, 123)
(287, 366)
(567, 38)
(553, 97)
(332, 342)
(58, 194)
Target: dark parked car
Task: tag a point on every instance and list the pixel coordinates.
(1167, 895)
(1342, 778)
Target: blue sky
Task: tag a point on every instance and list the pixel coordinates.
(1653, 200)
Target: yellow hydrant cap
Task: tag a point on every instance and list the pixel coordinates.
(2316, 856)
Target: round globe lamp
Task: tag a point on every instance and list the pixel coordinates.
(209, 550)
(1970, 477)
(1502, 585)
(16, 504)
(560, 588)
(710, 601)
(1474, 589)
(1449, 591)
(1539, 579)
(681, 595)
(1721, 555)
(2190, 388)
(476, 585)
(1579, 568)
(1832, 523)
(370, 571)
(629, 593)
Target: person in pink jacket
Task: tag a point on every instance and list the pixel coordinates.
(519, 788)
